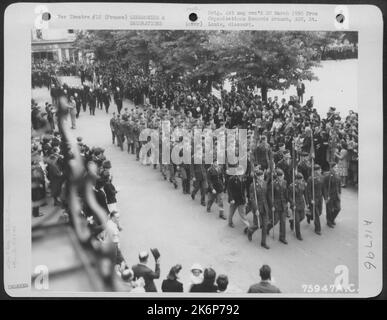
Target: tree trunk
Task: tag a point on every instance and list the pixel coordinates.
(264, 94)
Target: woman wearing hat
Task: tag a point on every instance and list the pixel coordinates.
(208, 284)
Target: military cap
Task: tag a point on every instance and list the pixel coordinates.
(299, 176)
(279, 172)
(258, 172)
(317, 167)
(304, 154)
(286, 153)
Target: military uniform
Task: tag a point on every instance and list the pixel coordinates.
(237, 199)
(318, 198)
(106, 99)
(280, 205)
(118, 100)
(113, 127)
(120, 133)
(305, 168)
(298, 203)
(260, 206)
(98, 96)
(198, 172)
(130, 138)
(215, 188)
(84, 97)
(136, 136)
(92, 102)
(332, 195)
(261, 156)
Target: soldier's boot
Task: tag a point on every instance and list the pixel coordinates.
(203, 200)
(221, 214)
(264, 245)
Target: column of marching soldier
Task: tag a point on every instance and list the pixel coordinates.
(275, 186)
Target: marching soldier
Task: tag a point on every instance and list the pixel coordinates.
(260, 206)
(118, 99)
(299, 205)
(131, 144)
(172, 169)
(120, 132)
(106, 99)
(332, 194)
(237, 199)
(84, 96)
(285, 164)
(98, 94)
(279, 204)
(315, 205)
(92, 102)
(136, 135)
(304, 165)
(78, 102)
(113, 127)
(185, 172)
(199, 177)
(54, 93)
(215, 188)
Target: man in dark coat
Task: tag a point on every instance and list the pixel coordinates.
(55, 176)
(316, 204)
(98, 94)
(84, 97)
(101, 195)
(300, 91)
(264, 286)
(215, 188)
(332, 194)
(199, 177)
(78, 102)
(141, 270)
(118, 99)
(113, 127)
(237, 198)
(92, 102)
(106, 99)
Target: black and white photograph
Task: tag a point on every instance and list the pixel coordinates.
(194, 161)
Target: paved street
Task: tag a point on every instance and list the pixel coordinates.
(154, 214)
